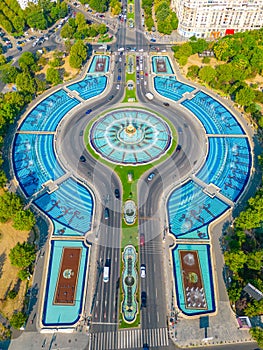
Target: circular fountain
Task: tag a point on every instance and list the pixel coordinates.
(130, 136)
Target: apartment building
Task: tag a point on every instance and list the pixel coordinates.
(24, 3)
(216, 18)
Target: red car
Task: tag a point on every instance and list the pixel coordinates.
(142, 239)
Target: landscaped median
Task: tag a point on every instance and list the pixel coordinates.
(127, 130)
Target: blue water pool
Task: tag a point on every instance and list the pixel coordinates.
(99, 64)
(213, 115)
(71, 206)
(89, 87)
(57, 314)
(49, 112)
(130, 136)
(189, 209)
(34, 161)
(161, 65)
(227, 165)
(204, 255)
(171, 88)
(199, 234)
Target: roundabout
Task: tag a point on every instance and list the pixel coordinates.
(195, 185)
(130, 136)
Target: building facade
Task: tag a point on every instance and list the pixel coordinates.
(216, 18)
(24, 3)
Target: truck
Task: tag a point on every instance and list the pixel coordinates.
(149, 95)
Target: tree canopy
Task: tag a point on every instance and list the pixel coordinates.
(22, 255)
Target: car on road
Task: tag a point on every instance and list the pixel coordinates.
(143, 299)
(119, 70)
(19, 48)
(166, 104)
(143, 271)
(106, 213)
(119, 78)
(178, 148)
(142, 239)
(110, 98)
(117, 193)
(88, 111)
(82, 159)
(118, 86)
(151, 176)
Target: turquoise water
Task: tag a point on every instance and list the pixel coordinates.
(227, 165)
(49, 112)
(63, 315)
(189, 209)
(204, 254)
(200, 233)
(35, 161)
(71, 206)
(166, 64)
(171, 88)
(96, 58)
(213, 115)
(150, 137)
(89, 87)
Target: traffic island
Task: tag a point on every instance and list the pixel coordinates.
(129, 306)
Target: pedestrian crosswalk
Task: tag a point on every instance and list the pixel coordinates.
(129, 339)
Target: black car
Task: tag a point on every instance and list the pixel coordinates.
(119, 70)
(82, 159)
(117, 193)
(143, 299)
(166, 104)
(178, 148)
(106, 213)
(110, 98)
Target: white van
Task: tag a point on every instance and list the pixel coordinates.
(106, 274)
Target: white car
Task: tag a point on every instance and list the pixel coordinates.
(143, 271)
(118, 87)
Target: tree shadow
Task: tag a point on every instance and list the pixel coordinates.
(2, 262)
(33, 294)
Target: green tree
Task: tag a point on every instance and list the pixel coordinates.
(2, 60)
(255, 260)
(235, 260)
(18, 319)
(53, 76)
(10, 204)
(78, 54)
(27, 61)
(23, 274)
(12, 294)
(25, 82)
(254, 308)
(3, 179)
(193, 71)
(245, 96)
(67, 31)
(234, 293)
(24, 220)
(257, 334)
(207, 74)
(22, 255)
